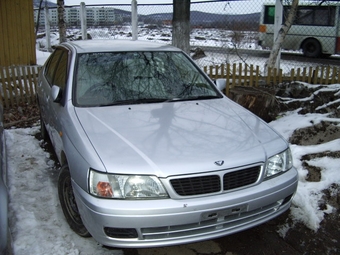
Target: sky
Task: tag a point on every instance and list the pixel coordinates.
(39, 227)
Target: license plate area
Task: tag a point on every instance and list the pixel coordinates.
(219, 214)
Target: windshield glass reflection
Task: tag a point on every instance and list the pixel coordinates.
(138, 77)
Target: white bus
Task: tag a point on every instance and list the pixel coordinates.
(315, 29)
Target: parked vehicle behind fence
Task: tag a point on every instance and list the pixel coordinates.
(152, 153)
(315, 29)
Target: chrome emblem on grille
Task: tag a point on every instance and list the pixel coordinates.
(219, 163)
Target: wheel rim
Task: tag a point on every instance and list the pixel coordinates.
(310, 48)
(70, 201)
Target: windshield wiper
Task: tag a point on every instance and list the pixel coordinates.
(202, 97)
(158, 100)
(137, 101)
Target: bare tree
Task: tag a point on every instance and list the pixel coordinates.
(38, 19)
(181, 25)
(61, 21)
(281, 35)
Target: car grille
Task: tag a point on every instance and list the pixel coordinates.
(196, 185)
(212, 183)
(241, 178)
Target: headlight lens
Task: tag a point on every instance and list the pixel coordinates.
(125, 186)
(279, 163)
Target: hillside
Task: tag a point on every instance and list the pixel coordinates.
(198, 18)
(36, 4)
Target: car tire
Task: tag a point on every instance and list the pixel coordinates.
(311, 48)
(68, 202)
(43, 130)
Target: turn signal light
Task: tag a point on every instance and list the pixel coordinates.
(104, 189)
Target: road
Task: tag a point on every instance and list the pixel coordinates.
(333, 60)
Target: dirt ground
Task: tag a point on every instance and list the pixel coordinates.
(264, 239)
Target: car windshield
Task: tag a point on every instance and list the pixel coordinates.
(111, 78)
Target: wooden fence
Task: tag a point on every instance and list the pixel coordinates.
(18, 83)
(250, 75)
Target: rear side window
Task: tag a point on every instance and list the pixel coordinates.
(51, 66)
(56, 68)
(61, 71)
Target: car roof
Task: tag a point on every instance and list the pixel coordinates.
(117, 45)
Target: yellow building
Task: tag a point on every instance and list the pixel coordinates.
(17, 37)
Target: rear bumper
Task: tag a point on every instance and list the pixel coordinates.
(151, 223)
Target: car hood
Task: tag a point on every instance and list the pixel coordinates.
(175, 138)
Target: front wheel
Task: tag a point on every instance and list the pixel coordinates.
(68, 202)
(311, 48)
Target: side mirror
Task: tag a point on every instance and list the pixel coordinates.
(221, 84)
(56, 93)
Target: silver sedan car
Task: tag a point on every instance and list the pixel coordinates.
(152, 152)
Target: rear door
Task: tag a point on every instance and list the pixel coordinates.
(55, 72)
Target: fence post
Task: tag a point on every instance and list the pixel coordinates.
(234, 75)
(227, 89)
(257, 75)
(333, 75)
(315, 75)
(47, 30)
(269, 73)
(310, 75)
(5, 96)
(211, 72)
(251, 76)
(304, 73)
(83, 21)
(134, 19)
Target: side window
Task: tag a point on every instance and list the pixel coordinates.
(56, 68)
(61, 71)
(52, 65)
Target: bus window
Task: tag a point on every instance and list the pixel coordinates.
(269, 15)
(315, 16)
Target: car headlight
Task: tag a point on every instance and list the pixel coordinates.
(279, 163)
(125, 186)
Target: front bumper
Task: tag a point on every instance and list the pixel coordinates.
(151, 223)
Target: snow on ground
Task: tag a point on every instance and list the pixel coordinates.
(37, 223)
(306, 202)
